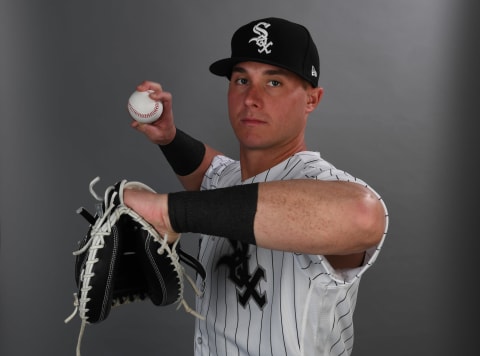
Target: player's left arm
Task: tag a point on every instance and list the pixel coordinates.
(305, 216)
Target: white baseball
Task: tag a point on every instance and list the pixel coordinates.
(144, 109)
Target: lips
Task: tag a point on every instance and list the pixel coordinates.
(252, 121)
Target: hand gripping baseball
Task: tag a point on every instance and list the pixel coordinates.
(144, 109)
(124, 259)
(160, 131)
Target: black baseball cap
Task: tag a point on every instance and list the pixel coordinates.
(273, 41)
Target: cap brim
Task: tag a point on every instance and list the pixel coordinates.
(223, 67)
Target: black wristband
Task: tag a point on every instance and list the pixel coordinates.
(225, 212)
(184, 153)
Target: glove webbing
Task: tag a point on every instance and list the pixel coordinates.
(100, 229)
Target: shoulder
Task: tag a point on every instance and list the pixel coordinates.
(223, 171)
(307, 165)
(316, 167)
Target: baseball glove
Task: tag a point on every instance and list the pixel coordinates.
(123, 259)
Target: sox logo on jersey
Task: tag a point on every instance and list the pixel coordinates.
(239, 274)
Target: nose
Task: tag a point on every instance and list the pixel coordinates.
(253, 97)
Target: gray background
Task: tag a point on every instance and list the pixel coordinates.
(392, 114)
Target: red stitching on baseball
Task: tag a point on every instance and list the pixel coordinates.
(145, 116)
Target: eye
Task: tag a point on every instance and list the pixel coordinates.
(274, 83)
(241, 81)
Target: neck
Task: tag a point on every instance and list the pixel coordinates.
(253, 162)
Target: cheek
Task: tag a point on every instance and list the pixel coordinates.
(231, 109)
(234, 103)
(298, 106)
(230, 98)
(288, 107)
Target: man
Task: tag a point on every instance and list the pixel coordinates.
(285, 235)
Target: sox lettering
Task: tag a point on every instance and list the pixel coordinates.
(262, 39)
(239, 274)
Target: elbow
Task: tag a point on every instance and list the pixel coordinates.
(370, 220)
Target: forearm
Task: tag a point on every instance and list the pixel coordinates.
(189, 159)
(193, 181)
(304, 216)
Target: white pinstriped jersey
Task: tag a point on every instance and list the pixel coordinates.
(264, 302)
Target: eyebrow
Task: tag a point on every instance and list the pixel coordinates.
(279, 71)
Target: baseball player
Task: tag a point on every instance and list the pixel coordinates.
(285, 235)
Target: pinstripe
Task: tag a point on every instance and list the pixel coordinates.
(271, 304)
(236, 330)
(261, 321)
(212, 302)
(289, 171)
(280, 302)
(249, 325)
(295, 306)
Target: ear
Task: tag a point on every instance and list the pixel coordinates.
(314, 95)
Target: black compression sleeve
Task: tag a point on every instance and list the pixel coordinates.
(184, 153)
(225, 212)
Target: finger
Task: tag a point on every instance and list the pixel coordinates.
(149, 85)
(135, 124)
(162, 96)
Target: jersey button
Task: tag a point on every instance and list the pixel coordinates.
(199, 340)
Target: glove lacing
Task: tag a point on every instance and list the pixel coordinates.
(101, 228)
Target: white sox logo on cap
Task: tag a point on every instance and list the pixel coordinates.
(262, 39)
(273, 41)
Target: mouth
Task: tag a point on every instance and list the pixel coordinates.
(252, 121)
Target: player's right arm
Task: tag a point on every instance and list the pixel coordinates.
(188, 157)
(193, 181)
